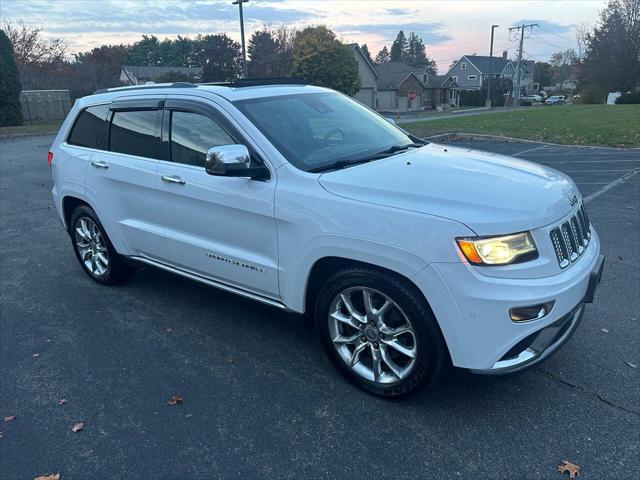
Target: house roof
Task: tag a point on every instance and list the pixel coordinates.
(481, 62)
(354, 47)
(392, 74)
(141, 71)
(438, 81)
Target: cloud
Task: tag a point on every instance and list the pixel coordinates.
(399, 11)
(429, 32)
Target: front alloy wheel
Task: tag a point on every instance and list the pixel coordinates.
(372, 335)
(379, 331)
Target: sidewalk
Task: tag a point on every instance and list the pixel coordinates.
(441, 116)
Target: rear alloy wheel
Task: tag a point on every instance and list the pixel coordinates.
(380, 332)
(94, 250)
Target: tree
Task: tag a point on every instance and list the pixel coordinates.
(270, 53)
(323, 60)
(399, 48)
(10, 112)
(31, 50)
(174, 76)
(612, 59)
(383, 56)
(221, 60)
(542, 73)
(564, 65)
(365, 51)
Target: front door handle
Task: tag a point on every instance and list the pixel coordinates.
(99, 164)
(173, 179)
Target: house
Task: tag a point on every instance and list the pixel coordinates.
(403, 88)
(471, 71)
(139, 75)
(368, 93)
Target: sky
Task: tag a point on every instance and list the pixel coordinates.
(449, 28)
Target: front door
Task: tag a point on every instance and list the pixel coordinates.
(219, 227)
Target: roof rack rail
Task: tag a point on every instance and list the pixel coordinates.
(146, 87)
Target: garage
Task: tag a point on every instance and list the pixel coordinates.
(365, 95)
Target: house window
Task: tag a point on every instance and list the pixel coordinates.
(463, 65)
(455, 78)
(472, 77)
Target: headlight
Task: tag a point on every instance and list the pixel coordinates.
(518, 247)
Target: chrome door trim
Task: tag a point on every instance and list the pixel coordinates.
(210, 282)
(173, 179)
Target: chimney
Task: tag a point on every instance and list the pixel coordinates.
(504, 54)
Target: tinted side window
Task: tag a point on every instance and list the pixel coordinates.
(136, 133)
(91, 128)
(192, 134)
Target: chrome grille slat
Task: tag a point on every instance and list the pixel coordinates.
(571, 237)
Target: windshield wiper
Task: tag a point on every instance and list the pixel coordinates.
(337, 165)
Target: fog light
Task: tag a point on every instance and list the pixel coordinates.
(533, 312)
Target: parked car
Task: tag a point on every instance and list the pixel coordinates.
(533, 98)
(409, 255)
(555, 100)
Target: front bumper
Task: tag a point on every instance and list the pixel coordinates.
(473, 310)
(545, 342)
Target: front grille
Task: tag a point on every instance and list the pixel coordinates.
(570, 239)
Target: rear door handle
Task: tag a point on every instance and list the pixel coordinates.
(173, 179)
(99, 164)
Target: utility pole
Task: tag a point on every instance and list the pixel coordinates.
(244, 50)
(519, 69)
(488, 100)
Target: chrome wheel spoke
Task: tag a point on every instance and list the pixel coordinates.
(393, 366)
(368, 302)
(355, 356)
(91, 247)
(339, 316)
(348, 339)
(398, 347)
(377, 363)
(346, 300)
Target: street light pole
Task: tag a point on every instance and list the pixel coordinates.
(244, 50)
(488, 100)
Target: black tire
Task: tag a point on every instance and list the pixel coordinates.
(431, 351)
(116, 271)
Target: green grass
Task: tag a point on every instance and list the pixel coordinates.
(610, 125)
(37, 127)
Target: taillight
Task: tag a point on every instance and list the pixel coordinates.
(50, 158)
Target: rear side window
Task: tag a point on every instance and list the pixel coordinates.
(91, 128)
(192, 134)
(137, 133)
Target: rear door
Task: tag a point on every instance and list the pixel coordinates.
(219, 227)
(122, 180)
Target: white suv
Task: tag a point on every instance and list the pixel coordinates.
(409, 255)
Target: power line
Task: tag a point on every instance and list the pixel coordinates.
(557, 34)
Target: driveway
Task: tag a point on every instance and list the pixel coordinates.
(260, 398)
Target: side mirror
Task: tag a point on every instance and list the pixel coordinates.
(233, 161)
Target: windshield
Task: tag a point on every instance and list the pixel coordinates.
(313, 130)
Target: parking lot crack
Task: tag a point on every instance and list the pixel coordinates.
(586, 391)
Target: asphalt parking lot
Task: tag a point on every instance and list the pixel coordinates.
(260, 398)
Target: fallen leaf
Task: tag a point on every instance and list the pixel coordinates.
(572, 469)
(605, 330)
(53, 476)
(1, 433)
(188, 416)
(9, 418)
(632, 365)
(35, 355)
(77, 427)
(62, 401)
(175, 400)
(231, 361)
(169, 330)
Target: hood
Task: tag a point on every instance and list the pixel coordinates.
(490, 193)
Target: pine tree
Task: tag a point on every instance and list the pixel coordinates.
(10, 111)
(365, 51)
(399, 48)
(383, 56)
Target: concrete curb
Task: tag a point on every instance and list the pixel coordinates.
(503, 139)
(10, 136)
